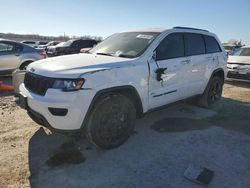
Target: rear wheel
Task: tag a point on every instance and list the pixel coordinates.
(212, 93)
(111, 121)
(25, 65)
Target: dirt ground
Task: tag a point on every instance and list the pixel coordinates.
(156, 155)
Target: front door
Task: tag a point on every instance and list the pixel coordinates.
(166, 71)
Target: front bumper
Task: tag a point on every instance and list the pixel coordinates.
(76, 103)
(238, 71)
(237, 75)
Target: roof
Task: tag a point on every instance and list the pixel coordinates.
(151, 30)
(160, 30)
(8, 40)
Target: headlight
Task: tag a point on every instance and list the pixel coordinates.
(68, 85)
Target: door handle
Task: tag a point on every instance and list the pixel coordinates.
(17, 54)
(211, 58)
(159, 73)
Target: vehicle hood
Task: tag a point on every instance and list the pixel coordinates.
(239, 60)
(72, 66)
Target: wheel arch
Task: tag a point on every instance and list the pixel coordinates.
(128, 91)
(25, 62)
(218, 72)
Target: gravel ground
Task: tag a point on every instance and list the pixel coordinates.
(156, 155)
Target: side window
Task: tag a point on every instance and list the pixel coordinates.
(5, 47)
(91, 43)
(75, 44)
(18, 48)
(171, 47)
(84, 43)
(212, 45)
(194, 44)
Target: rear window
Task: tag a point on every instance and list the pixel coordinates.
(194, 44)
(212, 45)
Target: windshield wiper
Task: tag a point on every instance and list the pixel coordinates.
(125, 56)
(107, 54)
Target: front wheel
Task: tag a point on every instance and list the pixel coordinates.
(111, 121)
(212, 92)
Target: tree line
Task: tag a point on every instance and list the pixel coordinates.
(36, 37)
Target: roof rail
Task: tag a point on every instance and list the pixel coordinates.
(178, 27)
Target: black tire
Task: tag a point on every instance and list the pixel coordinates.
(212, 92)
(111, 121)
(24, 65)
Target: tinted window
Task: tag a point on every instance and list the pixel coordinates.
(86, 43)
(28, 42)
(171, 47)
(42, 43)
(18, 48)
(212, 45)
(194, 44)
(4, 47)
(75, 44)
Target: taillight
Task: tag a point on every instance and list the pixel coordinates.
(42, 53)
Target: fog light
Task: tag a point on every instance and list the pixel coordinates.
(58, 111)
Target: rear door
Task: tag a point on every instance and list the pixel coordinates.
(213, 50)
(9, 56)
(87, 43)
(166, 87)
(195, 51)
(76, 46)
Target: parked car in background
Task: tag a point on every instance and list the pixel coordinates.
(71, 47)
(239, 64)
(51, 43)
(101, 93)
(231, 46)
(85, 50)
(30, 43)
(38, 43)
(15, 55)
(51, 49)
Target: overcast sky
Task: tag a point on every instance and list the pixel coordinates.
(227, 18)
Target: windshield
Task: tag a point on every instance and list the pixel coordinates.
(60, 44)
(29, 42)
(129, 45)
(42, 43)
(242, 52)
(68, 43)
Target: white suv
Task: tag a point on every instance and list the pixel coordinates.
(125, 76)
